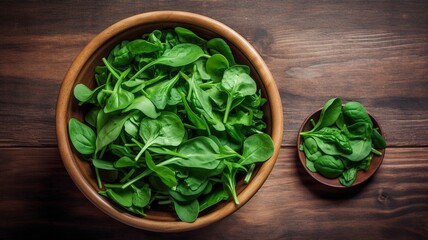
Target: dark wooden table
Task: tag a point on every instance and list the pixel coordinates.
(375, 52)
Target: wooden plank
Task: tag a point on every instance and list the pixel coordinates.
(39, 197)
(313, 49)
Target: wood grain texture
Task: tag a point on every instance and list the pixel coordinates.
(41, 198)
(314, 50)
(375, 52)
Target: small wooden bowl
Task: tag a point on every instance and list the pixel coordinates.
(82, 71)
(362, 176)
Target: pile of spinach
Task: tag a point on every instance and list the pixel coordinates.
(172, 121)
(342, 142)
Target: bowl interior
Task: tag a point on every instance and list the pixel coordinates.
(361, 175)
(83, 70)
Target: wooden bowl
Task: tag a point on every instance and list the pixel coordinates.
(82, 71)
(362, 176)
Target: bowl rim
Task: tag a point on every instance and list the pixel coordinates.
(329, 182)
(65, 97)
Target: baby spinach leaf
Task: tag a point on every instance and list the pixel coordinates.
(131, 128)
(229, 178)
(82, 93)
(216, 65)
(110, 131)
(167, 130)
(82, 136)
(257, 148)
(348, 177)
(360, 150)
(340, 121)
(329, 167)
(187, 36)
(187, 211)
(241, 118)
(120, 98)
(377, 139)
(139, 46)
(332, 135)
(91, 116)
(311, 145)
(123, 197)
(310, 165)
(201, 152)
(359, 130)
(235, 133)
(141, 196)
(220, 46)
(365, 163)
(160, 92)
(179, 55)
(355, 112)
(202, 104)
(217, 96)
(329, 114)
(121, 56)
(197, 121)
(200, 67)
(143, 104)
(326, 147)
(166, 175)
(103, 164)
(124, 162)
(236, 83)
(213, 198)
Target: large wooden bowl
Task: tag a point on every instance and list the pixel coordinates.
(82, 71)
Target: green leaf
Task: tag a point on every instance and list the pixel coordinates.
(377, 139)
(365, 163)
(202, 104)
(82, 93)
(329, 167)
(179, 55)
(257, 148)
(213, 198)
(360, 150)
(141, 196)
(201, 152)
(166, 130)
(331, 135)
(124, 162)
(82, 136)
(143, 104)
(110, 131)
(123, 197)
(160, 92)
(348, 177)
(140, 46)
(355, 112)
(120, 98)
(187, 36)
(310, 165)
(188, 211)
(216, 65)
(166, 175)
(359, 130)
(236, 83)
(329, 114)
(103, 164)
(220, 46)
(311, 145)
